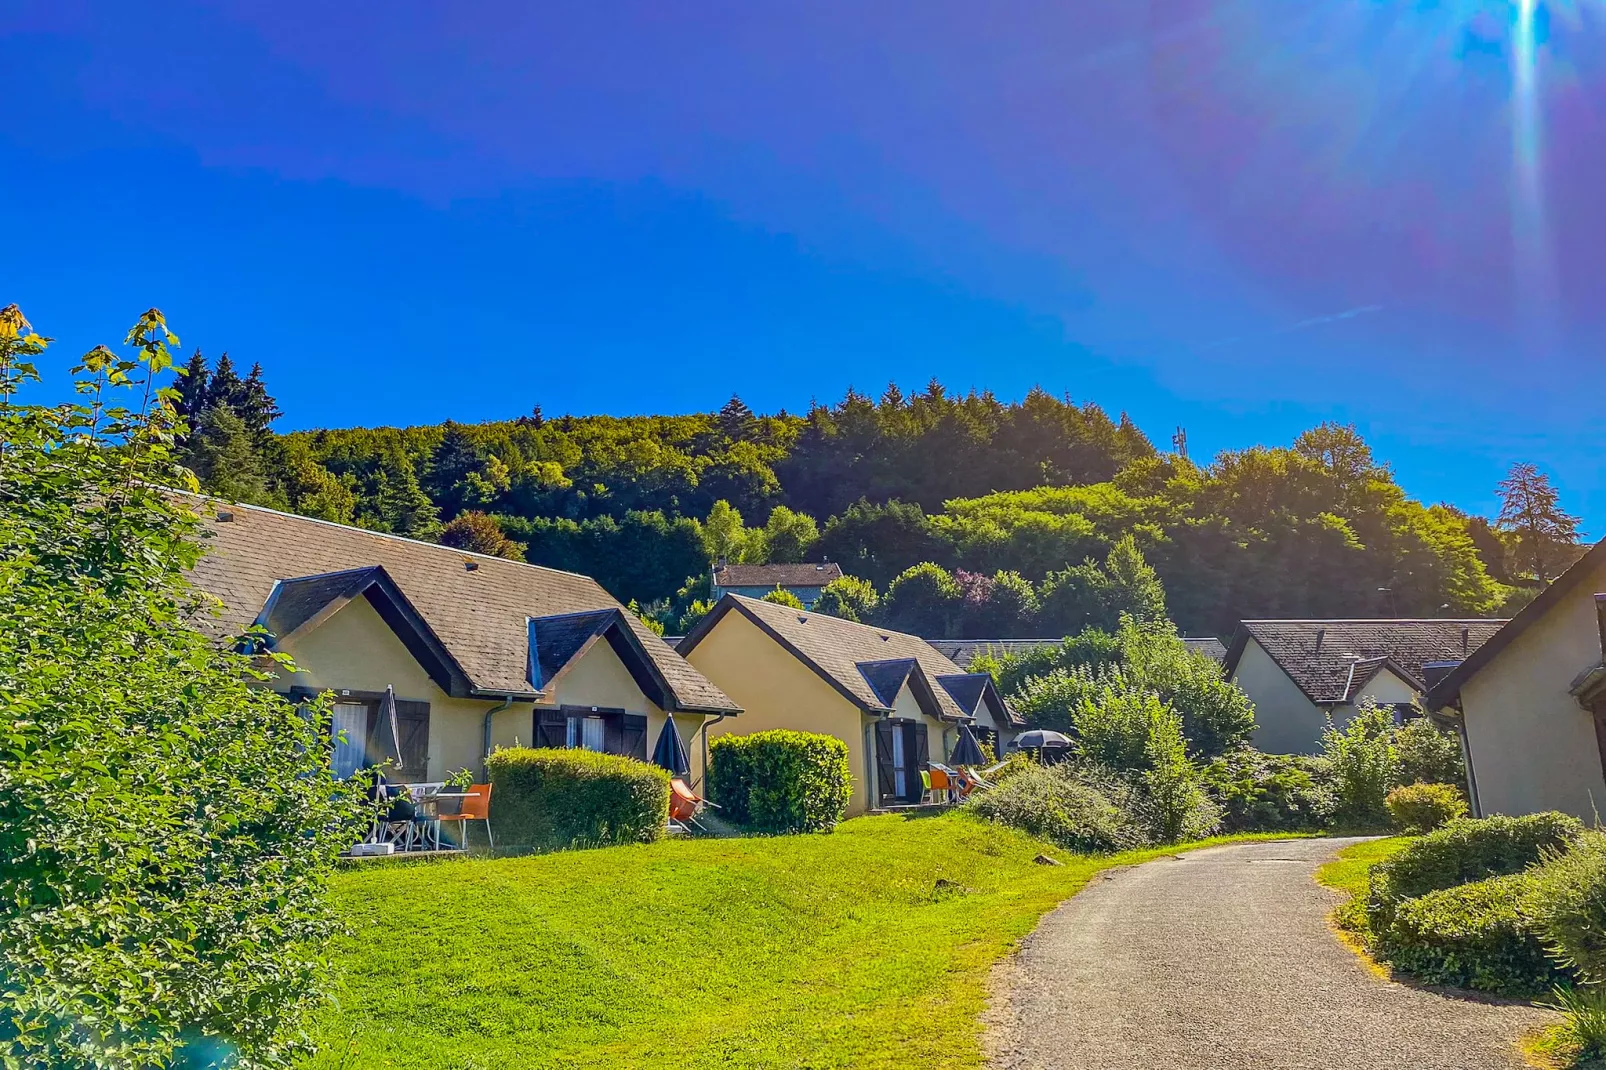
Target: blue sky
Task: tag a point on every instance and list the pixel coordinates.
(1237, 216)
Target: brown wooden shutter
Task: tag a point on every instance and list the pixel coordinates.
(633, 736)
(920, 757)
(412, 722)
(883, 759)
(551, 729)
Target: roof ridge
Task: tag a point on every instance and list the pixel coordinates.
(379, 534)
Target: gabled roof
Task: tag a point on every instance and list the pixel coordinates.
(963, 651)
(558, 642)
(782, 575)
(477, 607)
(1326, 657)
(299, 604)
(972, 690)
(840, 650)
(886, 678)
(1448, 689)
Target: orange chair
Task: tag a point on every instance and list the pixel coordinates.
(684, 807)
(941, 781)
(475, 806)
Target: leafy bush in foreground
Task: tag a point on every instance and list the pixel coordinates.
(1477, 935)
(1569, 903)
(781, 781)
(1419, 808)
(550, 799)
(167, 822)
(1051, 803)
(1259, 792)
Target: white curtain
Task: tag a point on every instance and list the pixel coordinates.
(350, 727)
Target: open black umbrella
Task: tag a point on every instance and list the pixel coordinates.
(670, 753)
(1040, 738)
(967, 751)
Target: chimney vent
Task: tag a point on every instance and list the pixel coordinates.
(1321, 633)
(1466, 640)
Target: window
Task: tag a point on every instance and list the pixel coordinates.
(900, 769)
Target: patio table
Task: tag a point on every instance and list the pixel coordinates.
(429, 815)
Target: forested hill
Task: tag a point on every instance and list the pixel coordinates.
(984, 488)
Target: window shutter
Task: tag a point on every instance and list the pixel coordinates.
(883, 759)
(412, 722)
(551, 729)
(633, 736)
(919, 751)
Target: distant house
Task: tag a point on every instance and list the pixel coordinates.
(1300, 672)
(755, 581)
(480, 651)
(1531, 701)
(963, 651)
(890, 697)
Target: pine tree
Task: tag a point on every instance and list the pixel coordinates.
(1544, 536)
(736, 421)
(256, 407)
(450, 465)
(226, 387)
(192, 386)
(223, 455)
(400, 505)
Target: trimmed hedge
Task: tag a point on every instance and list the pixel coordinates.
(781, 781)
(1569, 905)
(1419, 808)
(1465, 850)
(1478, 935)
(552, 798)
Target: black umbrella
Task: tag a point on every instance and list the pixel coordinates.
(967, 751)
(387, 710)
(670, 753)
(1039, 738)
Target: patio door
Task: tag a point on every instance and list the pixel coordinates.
(901, 756)
(349, 728)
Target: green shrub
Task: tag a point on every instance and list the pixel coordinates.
(781, 781)
(551, 799)
(168, 823)
(1420, 808)
(1476, 935)
(1463, 851)
(1259, 792)
(1584, 1028)
(1364, 766)
(1054, 804)
(1427, 754)
(1569, 904)
(1179, 807)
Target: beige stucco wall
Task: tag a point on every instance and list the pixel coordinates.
(775, 690)
(1533, 748)
(939, 738)
(1286, 722)
(1385, 689)
(355, 650)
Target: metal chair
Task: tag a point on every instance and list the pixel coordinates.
(475, 806)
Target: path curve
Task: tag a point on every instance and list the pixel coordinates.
(1221, 959)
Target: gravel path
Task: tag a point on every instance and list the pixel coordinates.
(1221, 960)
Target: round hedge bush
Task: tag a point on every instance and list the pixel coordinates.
(1420, 808)
(1054, 804)
(781, 780)
(552, 798)
(1465, 850)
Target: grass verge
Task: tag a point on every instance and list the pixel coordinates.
(1348, 873)
(868, 947)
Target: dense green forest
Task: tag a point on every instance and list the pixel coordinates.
(1040, 516)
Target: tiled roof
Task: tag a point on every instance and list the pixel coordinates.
(797, 575)
(963, 651)
(836, 648)
(886, 678)
(477, 605)
(966, 689)
(556, 639)
(1321, 656)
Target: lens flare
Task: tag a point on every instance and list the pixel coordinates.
(1533, 262)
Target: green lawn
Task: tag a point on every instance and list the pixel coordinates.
(1348, 872)
(801, 951)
